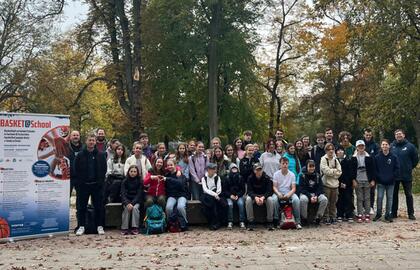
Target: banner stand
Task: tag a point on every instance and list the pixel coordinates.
(34, 176)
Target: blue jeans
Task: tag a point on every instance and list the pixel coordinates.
(181, 206)
(241, 206)
(389, 189)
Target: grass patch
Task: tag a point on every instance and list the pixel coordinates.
(416, 180)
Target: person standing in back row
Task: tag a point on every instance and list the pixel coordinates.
(408, 158)
(372, 149)
(90, 169)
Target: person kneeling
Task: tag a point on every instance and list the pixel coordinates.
(131, 196)
(284, 187)
(212, 202)
(260, 189)
(312, 191)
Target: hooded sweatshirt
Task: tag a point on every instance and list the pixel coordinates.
(363, 167)
(311, 185)
(331, 171)
(387, 168)
(131, 191)
(234, 184)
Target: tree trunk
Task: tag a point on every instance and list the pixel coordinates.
(278, 114)
(215, 26)
(416, 125)
(271, 119)
(137, 91)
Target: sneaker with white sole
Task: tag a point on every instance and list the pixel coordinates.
(372, 212)
(230, 226)
(80, 231)
(298, 226)
(242, 225)
(100, 230)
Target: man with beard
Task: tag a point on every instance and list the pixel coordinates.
(101, 143)
(75, 146)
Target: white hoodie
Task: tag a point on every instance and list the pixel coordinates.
(210, 185)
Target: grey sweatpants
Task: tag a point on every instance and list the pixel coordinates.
(363, 198)
(249, 206)
(135, 217)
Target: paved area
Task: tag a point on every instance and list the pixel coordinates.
(377, 245)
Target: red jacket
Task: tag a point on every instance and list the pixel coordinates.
(155, 187)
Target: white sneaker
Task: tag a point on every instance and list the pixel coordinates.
(101, 230)
(230, 225)
(80, 231)
(242, 225)
(298, 226)
(372, 212)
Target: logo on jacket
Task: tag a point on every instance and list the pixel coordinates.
(405, 148)
(389, 161)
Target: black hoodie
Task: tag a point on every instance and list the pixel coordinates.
(310, 184)
(234, 185)
(259, 187)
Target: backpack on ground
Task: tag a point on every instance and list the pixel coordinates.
(174, 221)
(287, 220)
(155, 220)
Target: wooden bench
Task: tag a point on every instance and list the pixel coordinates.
(113, 212)
(195, 216)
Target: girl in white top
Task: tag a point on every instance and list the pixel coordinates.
(139, 160)
(270, 159)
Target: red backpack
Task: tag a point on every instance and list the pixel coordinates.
(287, 219)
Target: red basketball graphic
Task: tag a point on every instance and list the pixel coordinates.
(4, 228)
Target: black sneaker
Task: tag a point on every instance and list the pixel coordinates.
(251, 226)
(270, 226)
(333, 221)
(328, 221)
(276, 223)
(377, 217)
(317, 221)
(388, 219)
(412, 217)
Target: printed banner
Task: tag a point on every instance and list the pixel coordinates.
(34, 175)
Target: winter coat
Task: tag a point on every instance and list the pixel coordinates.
(408, 158)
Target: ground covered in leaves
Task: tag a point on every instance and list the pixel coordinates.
(377, 245)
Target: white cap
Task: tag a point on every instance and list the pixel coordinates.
(360, 142)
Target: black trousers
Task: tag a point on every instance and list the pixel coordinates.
(214, 210)
(95, 191)
(408, 187)
(345, 205)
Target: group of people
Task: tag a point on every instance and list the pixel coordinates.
(329, 175)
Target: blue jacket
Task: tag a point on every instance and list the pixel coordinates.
(387, 168)
(408, 158)
(371, 147)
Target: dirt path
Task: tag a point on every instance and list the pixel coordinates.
(377, 245)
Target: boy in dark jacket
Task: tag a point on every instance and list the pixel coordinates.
(260, 189)
(234, 190)
(311, 191)
(387, 169)
(132, 198)
(345, 205)
(363, 168)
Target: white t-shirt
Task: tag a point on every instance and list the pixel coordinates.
(284, 182)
